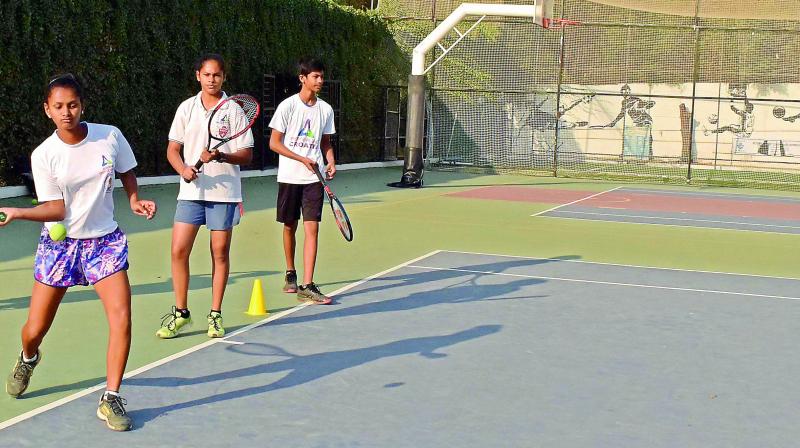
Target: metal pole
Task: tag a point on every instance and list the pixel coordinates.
(558, 94)
(415, 130)
(695, 78)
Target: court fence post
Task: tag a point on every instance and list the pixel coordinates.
(695, 77)
(558, 93)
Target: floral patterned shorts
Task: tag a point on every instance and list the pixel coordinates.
(73, 262)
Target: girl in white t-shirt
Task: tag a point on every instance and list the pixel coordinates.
(74, 172)
(211, 197)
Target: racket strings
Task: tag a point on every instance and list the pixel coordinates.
(234, 116)
(342, 221)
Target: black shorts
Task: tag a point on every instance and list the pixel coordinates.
(292, 198)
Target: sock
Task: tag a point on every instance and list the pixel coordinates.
(30, 360)
(110, 393)
(184, 312)
(216, 311)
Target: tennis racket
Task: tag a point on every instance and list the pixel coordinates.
(338, 209)
(232, 117)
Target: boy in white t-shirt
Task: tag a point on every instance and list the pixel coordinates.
(301, 131)
(74, 173)
(211, 197)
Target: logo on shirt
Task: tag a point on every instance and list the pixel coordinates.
(107, 170)
(306, 131)
(223, 126)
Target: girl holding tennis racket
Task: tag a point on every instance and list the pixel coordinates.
(74, 172)
(210, 196)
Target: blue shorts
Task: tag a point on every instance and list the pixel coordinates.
(73, 262)
(214, 215)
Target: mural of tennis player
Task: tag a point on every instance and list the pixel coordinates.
(541, 120)
(636, 108)
(639, 112)
(745, 126)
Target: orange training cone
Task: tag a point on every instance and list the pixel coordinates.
(257, 307)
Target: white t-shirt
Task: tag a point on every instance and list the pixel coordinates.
(83, 176)
(302, 127)
(217, 182)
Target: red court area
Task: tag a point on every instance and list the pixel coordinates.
(669, 201)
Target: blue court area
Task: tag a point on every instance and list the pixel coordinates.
(471, 350)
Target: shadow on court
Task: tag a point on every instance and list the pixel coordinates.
(467, 290)
(301, 368)
(197, 282)
(83, 384)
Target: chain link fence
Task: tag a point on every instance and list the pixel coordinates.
(627, 94)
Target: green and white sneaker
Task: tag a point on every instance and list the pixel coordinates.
(172, 323)
(20, 376)
(215, 328)
(112, 410)
(311, 293)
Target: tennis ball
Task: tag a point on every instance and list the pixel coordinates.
(58, 232)
(34, 202)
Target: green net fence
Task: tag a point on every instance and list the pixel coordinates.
(628, 94)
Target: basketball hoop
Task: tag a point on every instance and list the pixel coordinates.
(558, 24)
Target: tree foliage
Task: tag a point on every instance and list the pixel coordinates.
(135, 59)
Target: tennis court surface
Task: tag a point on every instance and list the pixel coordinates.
(662, 207)
(474, 350)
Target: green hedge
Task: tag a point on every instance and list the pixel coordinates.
(135, 59)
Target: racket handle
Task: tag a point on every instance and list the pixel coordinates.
(319, 175)
(2, 217)
(197, 167)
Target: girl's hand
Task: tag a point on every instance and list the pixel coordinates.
(10, 215)
(144, 208)
(189, 173)
(209, 156)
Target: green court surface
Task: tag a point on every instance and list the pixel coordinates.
(391, 226)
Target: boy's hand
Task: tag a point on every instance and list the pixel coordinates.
(144, 208)
(310, 164)
(330, 170)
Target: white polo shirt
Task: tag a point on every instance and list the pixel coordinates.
(83, 176)
(217, 182)
(303, 127)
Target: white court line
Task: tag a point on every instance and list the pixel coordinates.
(600, 282)
(680, 226)
(576, 201)
(190, 350)
(599, 263)
(732, 196)
(678, 219)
